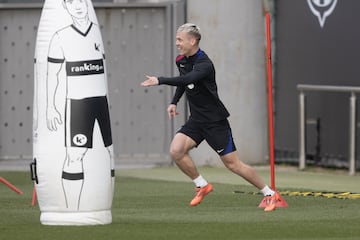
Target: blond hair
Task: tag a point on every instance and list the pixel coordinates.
(192, 29)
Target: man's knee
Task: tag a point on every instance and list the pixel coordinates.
(232, 165)
(176, 153)
(180, 146)
(232, 162)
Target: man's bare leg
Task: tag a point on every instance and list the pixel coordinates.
(234, 164)
(179, 151)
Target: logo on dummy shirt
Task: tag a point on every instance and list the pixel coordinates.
(85, 67)
(97, 46)
(79, 139)
(322, 9)
(191, 86)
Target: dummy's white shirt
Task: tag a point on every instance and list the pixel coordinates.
(83, 55)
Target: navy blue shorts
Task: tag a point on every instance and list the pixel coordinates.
(217, 134)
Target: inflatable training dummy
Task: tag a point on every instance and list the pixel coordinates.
(73, 166)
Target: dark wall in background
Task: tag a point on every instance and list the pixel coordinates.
(307, 53)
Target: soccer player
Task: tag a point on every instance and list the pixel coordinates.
(208, 117)
(78, 48)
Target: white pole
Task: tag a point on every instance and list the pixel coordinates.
(302, 132)
(352, 134)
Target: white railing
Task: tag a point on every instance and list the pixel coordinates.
(352, 129)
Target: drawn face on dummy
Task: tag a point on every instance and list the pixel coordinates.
(76, 8)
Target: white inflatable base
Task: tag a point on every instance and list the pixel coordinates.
(76, 218)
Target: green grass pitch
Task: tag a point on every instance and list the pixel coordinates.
(154, 204)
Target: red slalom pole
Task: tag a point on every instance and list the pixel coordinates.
(270, 102)
(33, 199)
(281, 202)
(12, 187)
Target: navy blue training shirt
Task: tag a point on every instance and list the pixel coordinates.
(197, 79)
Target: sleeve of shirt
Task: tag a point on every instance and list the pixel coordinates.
(178, 94)
(199, 72)
(55, 54)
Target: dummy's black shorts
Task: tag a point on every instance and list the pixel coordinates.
(217, 134)
(80, 121)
